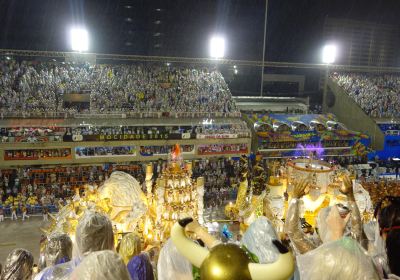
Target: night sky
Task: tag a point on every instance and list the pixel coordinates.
(183, 27)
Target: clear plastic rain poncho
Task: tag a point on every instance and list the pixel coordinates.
(376, 246)
(172, 265)
(18, 265)
(323, 230)
(130, 246)
(341, 259)
(93, 233)
(101, 265)
(58, 249)
(258, 240)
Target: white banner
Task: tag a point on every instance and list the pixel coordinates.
(217, 136)
(186, 135)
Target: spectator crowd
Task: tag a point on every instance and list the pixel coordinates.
(39, 87)
(377, 95)
(237, 129)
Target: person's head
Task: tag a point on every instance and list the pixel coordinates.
(341, 259)
(94, 233)
(101, 265)
(130, 246)
(58, 249)
(258, 240)
(18, 265)
(172, 265)
(389, 224)
(330, 223)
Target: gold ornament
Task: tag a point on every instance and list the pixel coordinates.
(226, 261)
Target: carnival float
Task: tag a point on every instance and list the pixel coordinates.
(150, 214)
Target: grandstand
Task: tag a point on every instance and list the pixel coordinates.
(370, 102)
(48, 89)
(80, 113)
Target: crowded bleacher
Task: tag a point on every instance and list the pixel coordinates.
(33, 87)
(377, 94)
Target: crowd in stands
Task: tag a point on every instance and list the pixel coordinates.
(221, 180)
(222, 149)
(389, 126)
(240, 129)
(163, 150)
(300, 145)
(104, 151)
(377, 95)
(47, 134)
(39, 87)
(31, 134)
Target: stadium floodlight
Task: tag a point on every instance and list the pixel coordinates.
(79, 39)
(217, 47)
(329, 54)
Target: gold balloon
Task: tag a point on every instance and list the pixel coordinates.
(226, 262)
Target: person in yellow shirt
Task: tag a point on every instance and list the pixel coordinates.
(24, 212)
(14, 212)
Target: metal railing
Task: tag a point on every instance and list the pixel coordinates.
(117, 115)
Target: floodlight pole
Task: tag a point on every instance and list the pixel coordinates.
(263, 53)
(325, 92)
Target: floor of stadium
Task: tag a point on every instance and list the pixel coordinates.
(20, 234)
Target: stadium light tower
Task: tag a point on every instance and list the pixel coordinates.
(328, 57)
(329, 54)
(79, 39)
(217, 47)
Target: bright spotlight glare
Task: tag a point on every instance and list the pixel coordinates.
(217, 47)
(79, 39)
(329, 54)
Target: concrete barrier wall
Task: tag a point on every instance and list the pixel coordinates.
(118, 159)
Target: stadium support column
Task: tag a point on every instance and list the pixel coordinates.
(325, 92)
(263, 53)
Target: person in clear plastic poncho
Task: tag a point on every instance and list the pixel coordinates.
(172, 265)
(258, 240)
(58, 251)
(93, 233)
(331, 226)
(18, 265)
(340, 259)
(101, 265)
(130, 246)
